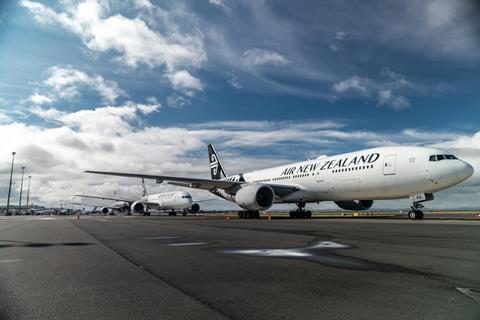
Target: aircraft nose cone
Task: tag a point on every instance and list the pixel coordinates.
(465, 171)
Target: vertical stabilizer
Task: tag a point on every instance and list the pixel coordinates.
(216, 168)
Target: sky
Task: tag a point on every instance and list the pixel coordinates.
(144, 86)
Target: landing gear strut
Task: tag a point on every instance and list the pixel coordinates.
(416, 213)
(300, 213)
(248, 214)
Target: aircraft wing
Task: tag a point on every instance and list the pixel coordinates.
(103, 198)
(196, 183)
(206, 184)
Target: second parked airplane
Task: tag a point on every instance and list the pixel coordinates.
(352, 180)
(166, 201)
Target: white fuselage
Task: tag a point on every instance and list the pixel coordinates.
(372, 174)
(176, 200)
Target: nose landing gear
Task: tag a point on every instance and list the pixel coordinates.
(415, 213)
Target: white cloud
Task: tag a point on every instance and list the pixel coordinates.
(182, 80)
(220, 3)
(64, 83)
(256, 57)
(39, 99)
(341, 35)
(177, 101)
(233, 81)
(131, 38)
(387, 98)
(386, 92)
(355, 84)
(143, 4)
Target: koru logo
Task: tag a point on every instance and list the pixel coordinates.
(214, 164)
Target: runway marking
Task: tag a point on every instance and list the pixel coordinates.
(272, 252)
(471, 293)
(9, 260)
(294, 252)
(159, 238)
(184, 244)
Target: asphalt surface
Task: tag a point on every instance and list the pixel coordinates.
(213, 268)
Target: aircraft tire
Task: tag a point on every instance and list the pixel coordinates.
(419, 215)
(415, 215)
(412, 215)
(308, 214)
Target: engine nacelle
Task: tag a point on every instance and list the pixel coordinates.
(195, 208)
(138, 207)
(254, 196)
(105, 210)
(355, 204)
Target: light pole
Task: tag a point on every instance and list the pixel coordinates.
(28, 192)
(21, 191)
(10, 185)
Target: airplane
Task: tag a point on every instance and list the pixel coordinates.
(92, 211)
(352, 180)
(165, 201)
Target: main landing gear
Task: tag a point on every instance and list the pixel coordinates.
(172, 213)
(416, 213)
(248, 214)
(300, 213)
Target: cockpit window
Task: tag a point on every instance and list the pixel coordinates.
(188, 197)
(440, 157)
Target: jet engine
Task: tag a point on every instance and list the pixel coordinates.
(253, 196)
(355, 204)
(138, 207)
(195, 208)
(105, 210)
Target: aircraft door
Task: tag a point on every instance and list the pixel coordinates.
(389, 164)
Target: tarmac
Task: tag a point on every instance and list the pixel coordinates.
(159, 267)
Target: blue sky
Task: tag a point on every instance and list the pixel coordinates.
(267, 81)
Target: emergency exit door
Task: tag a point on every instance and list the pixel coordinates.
(389, 164)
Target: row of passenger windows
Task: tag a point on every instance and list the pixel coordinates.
(352, 169)
(440, 157)
(312, 174)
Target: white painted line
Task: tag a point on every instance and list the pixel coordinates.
(272, 252)
(184, 244)
(159, 238)
(471, 293)
(9, 260)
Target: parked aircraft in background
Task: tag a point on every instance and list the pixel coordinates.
(352, 180)
(166, 201)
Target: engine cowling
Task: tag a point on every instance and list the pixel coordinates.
(195, 208)
(355, 204)
(105, 210)
(253, 196)
(138, 207)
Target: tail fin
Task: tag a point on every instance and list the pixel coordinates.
(144, 189)
(216, 168)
